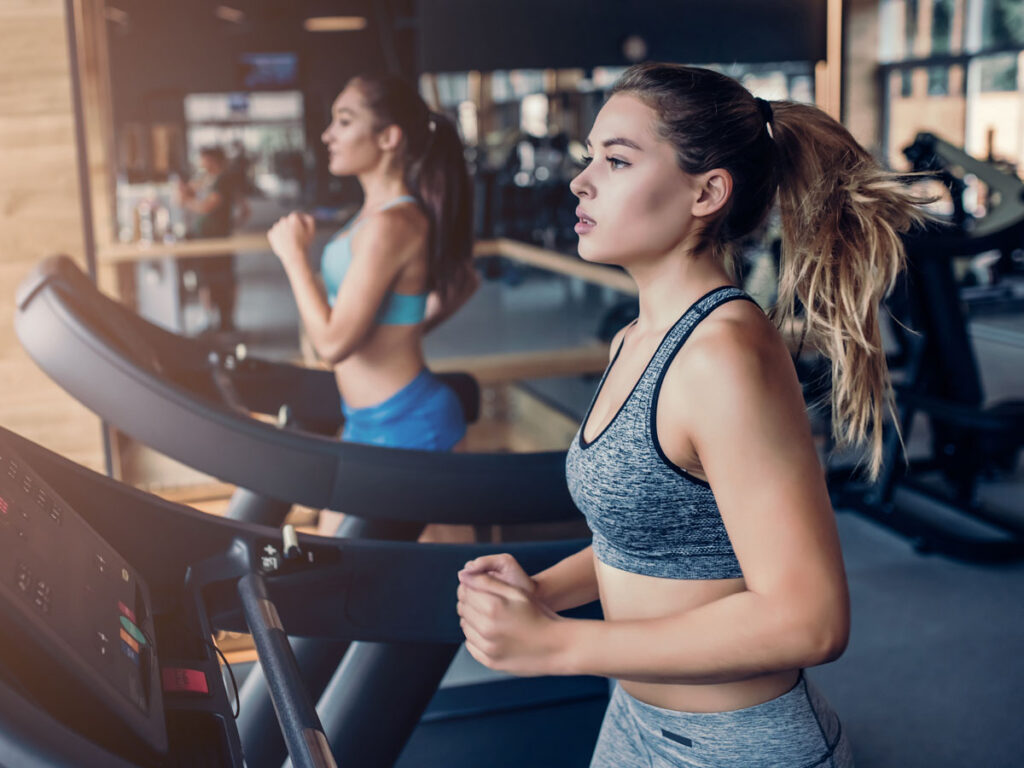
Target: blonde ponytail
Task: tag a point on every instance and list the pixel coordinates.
(842, 217)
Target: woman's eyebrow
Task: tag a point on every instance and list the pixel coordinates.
(619, 141)
(343, 111)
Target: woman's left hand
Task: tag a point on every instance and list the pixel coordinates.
(291, 237)
(507, 628)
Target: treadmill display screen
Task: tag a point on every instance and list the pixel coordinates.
(77, 603)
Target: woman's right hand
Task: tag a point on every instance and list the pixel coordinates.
(291, 237)
(503, 567)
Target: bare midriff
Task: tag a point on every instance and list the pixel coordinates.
(389, 359)
(391, 356)
(632, 596)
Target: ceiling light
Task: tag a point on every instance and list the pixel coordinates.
(227, 13)
(334, 23)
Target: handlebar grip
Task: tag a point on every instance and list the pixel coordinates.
(300, 724)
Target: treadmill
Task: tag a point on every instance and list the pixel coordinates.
(195, 402)
(110, 597)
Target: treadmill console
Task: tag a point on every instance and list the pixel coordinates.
(83, 637)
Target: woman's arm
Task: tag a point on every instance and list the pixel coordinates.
(466, 283)
(752, 437)
(566, 584)
(569, 583)
(380, 249)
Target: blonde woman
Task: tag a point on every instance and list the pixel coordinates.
(715, 554)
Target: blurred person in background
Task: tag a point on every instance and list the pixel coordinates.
(401, 265)
(216, 200)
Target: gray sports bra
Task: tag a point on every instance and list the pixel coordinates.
(647, 515)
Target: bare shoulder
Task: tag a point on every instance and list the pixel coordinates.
(399, 231)
(736, 350)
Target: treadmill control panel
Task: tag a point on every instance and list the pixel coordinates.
(78, 605)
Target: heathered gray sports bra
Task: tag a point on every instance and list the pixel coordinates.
(647, 515)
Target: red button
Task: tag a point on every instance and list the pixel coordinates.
(181, 680)
(126, 612)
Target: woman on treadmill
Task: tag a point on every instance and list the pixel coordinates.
(715, 553)
(401, 266)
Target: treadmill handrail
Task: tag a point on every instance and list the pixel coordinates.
(368, 481)
(296, 713)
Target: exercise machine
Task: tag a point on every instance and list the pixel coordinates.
(196, 403)
(110, 597)
(934, 500)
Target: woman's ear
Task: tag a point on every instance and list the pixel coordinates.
(714, 188)
(389, 138)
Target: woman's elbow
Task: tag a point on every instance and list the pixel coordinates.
(831, 644)
(826, 636)
(337, 341)
(812, 627)
(333, 352)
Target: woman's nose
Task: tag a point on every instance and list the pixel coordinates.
(581, 186)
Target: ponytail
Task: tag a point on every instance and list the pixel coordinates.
(842, 216)
(441, 182)
(435, 171)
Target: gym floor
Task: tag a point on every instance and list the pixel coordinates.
(934, 672)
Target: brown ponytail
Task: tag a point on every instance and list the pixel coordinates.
(435, 172)
(842, 216)
(442, 184)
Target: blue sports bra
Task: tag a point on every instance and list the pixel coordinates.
(647, 515)
(396, 308)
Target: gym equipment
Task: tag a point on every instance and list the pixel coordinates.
(1001, 228)
(934, 500)
(110, 597)
(193, 402)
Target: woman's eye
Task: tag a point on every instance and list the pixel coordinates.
(585, 161)
(617, 164)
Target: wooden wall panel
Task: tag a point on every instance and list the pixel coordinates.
(861, 98)
(40, 213)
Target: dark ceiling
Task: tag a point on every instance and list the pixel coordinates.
(162, 49)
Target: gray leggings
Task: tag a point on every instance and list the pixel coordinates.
(796, 730)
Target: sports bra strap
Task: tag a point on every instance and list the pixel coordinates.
(354, 225)
(397, 201)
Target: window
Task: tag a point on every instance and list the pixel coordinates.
(906, 83)
(942, 26)
(909, 27)
(953, 68)
(998, 73)
(938, 81)
(1002, 23)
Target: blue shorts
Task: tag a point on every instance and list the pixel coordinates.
(425, 415)
(796, 730)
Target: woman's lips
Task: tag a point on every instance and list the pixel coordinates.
(585, 223)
